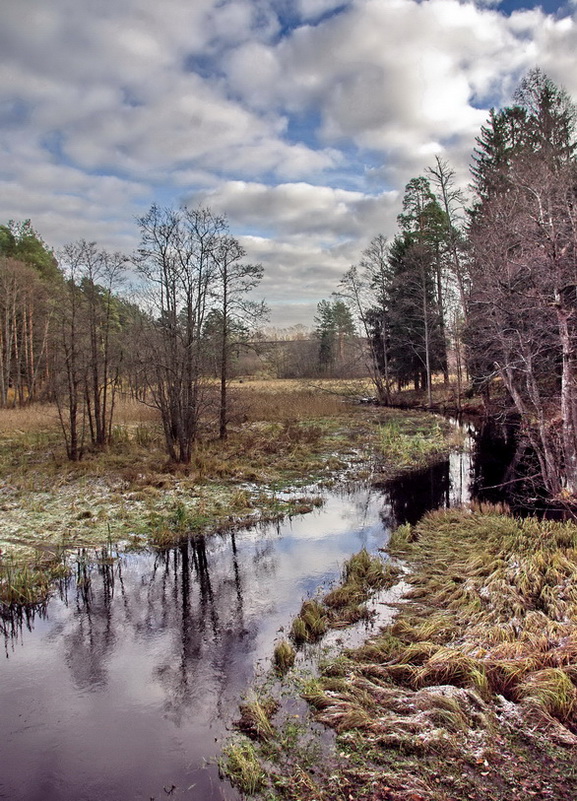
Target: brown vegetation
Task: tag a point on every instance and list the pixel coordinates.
(285, 435)
(472, 692)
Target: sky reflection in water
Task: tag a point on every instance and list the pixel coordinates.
(128, 683)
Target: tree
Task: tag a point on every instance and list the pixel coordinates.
(25, 311)
(192, 266)
(235, 280)
(523, 309)
(29, 279)
(21, 241)
(366, 287)
(334, 326)
(457, 276)
(176, 258)
(94, 275)
(417, 287)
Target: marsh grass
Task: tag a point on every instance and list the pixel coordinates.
(362, 575)
(409, 446)
(255, 717)
(240, 765)
(473, 685)
(284, 435)
(493, 614)
(283, 657)
(29, 584)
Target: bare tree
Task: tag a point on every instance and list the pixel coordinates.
(235, 280)
(177, 258)
(452, 201)
(98, 274)
(524, 295)
(366, 288)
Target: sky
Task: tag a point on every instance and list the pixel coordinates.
(300, 120)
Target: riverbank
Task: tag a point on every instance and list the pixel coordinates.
(285, 445)
(469, 694)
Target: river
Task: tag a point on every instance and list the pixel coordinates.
(125, 685)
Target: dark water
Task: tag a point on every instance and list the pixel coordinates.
(125, 686)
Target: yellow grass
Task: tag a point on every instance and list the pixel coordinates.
(28, 419)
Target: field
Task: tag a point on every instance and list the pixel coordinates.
(287, 441)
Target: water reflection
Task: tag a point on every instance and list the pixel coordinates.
(493, 460)
(132, 673)
(125, 683)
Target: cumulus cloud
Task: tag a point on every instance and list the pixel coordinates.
(301, 209)
(302, 121)
(402, 78)
(305, 236)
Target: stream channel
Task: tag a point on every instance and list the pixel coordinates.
(126, 684)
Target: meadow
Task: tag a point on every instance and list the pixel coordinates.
(287, 441)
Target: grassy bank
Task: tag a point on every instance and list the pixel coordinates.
(471, 692)
(287, 441)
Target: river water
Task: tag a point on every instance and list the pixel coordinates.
(125, 685)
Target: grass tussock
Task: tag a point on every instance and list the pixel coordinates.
(362, 575)
(24, 584)
(493, 613)
(283, 657)
(240, 765)
(477, 672)
(410, 446)
(255, 717)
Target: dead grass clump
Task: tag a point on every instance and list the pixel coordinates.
(255, 719)
(314, 693)
(283, 656)
(345, 604)
(552, 691)
(380, 649)
(311, 622)
(240, 765)
(362, 575)
(28, 584)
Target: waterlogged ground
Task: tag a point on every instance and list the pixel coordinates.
(265, 470)
(128, 682)
(125, 685)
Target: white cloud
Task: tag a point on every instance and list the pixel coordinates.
(105, 107)
(309, 236)
(302, 209)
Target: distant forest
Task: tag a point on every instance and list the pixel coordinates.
(481, 290)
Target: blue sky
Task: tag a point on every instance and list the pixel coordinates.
(301, 120)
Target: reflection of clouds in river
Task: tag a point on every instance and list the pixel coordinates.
(124, 686)
(129, 681)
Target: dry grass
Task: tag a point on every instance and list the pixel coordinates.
(283, 657)
(493, 616)
(285, 435)
(240, 765)
(362, 575)
(255, 718)
(472, 691)
(29, 419)
(494, 611)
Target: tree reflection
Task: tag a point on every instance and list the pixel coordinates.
(413, 494)
(493, 461)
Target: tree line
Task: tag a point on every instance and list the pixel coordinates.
(483, 289)
(487, 289)
(69, 336)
